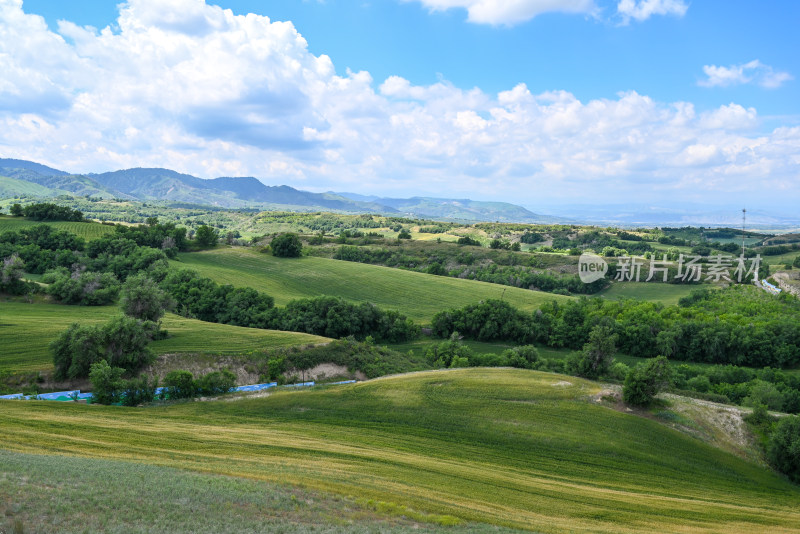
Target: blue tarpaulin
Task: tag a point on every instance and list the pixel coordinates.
(71, 395)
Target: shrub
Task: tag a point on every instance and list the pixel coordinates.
(596, 357)
(404, 234)
(105, 382)
(783, 450)
(206, 236)
(143, 299)
(645, 381)
(180, 384)
(86, 288)
(467, 240)
(216, 382)
(764, 394)
(286, 246)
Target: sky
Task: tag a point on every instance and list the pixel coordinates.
(542, 103)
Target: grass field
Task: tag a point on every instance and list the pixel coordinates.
(27, 329)
(42, 493)
(656, 292)
(417, 295)
(86, 230)
(507, 447)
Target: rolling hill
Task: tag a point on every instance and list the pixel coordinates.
(417, 295)
(515, 448)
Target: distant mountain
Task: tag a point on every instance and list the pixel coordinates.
(52, 182)
(38, 168)
(460, 209)
(19, 177)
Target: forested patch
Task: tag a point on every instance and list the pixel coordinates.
(740, 325)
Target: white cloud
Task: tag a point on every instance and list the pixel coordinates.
(751, 72)
(641, 10)
(509, 12)
(217, 94)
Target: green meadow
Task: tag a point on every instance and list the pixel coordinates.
(417, 295)
(26, 330)
(505, 447)
(667, 294)
(86, 230)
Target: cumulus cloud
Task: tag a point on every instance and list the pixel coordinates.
(640, 10)
(509, 12)
(751, 72)
(217, 94)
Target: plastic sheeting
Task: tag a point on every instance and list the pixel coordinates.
(71, 395)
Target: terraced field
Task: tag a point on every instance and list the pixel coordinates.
(27, 329)
(417, 295)
(506, 447)
(86, 230)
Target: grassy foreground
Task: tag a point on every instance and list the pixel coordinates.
(27, 329)
(507, 447)
(417, 295)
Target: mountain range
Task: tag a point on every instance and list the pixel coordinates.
(20, 177)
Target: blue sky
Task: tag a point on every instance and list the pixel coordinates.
(654, 101)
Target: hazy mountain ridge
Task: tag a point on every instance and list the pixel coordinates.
(149, 184)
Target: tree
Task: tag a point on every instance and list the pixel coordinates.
(206, 236)
(404, 234)
(143, 299)
(783, 450)
(76, 349)
(644, 382)
(105, 382)
(180, 384)
(11, 270)
(122, 342)
(216, 382)
(286, 246)
(597, 355)
(450, 353)
(16, 210)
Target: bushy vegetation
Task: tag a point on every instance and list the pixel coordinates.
(739, 325)
(645, 381)
(335, 317)
(286, 246)
(122, 342)
(86, 288)
(784, 447)
(47, 211)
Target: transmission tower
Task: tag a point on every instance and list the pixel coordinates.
(744, 216)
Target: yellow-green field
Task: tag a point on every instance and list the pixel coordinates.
(27, 329)
(667, 294)
(86, 230)
(507, 447)
(417, 295)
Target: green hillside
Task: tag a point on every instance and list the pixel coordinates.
(417, 295)
(86, 230)
(27, 329)
(12, 187)
(508, 447)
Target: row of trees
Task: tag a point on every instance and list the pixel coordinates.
(46, 211)
(739, 325)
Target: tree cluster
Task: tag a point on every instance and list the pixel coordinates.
(47, 211)
(739, 325)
